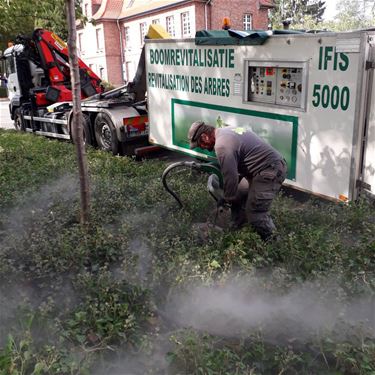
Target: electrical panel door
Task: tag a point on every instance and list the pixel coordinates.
(262, 86)
(289, 86)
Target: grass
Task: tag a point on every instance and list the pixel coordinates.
(144, 290)
(3, 92)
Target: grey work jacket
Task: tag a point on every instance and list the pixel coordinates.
(243, 155)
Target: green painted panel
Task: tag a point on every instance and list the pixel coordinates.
(280, 131)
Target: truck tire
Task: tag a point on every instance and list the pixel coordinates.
(105, 134)
(18, 123)
(88, 137)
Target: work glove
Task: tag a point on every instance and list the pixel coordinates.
(213, 186)
(221, 203)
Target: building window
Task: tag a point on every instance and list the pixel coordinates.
(127, 37)
(128, 71)
(10, 66)
(156, 21)
(86, 11)
(247, 21)
(101, 72)
(99, 39)
(143, 30)
(80, 43)
(170, 25)
(130, 4)
(185, 25)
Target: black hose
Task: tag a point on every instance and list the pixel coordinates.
(192, 164)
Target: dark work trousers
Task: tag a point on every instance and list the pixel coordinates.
(253, 204)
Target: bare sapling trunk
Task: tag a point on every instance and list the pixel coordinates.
(77, 113)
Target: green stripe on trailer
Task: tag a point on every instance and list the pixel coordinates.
(281, 131)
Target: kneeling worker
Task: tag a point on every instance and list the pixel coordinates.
(244, 155)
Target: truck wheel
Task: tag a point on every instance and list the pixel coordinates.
(88, 137)
(18, 123)
(105, 134)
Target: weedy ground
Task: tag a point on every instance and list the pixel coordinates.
(131, 293)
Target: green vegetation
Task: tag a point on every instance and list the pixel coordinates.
(353, 15)
(145, 290)
(297, 11)
(310, 14)
(23, 16)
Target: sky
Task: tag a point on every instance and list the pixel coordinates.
(330, 9)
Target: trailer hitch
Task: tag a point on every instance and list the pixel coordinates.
(202, 167)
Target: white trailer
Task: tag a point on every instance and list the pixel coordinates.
(311, 96)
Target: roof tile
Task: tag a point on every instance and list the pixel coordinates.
(113, 9)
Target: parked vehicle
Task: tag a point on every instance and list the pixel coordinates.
(40, 94)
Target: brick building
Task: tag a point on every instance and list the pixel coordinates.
(111, 45)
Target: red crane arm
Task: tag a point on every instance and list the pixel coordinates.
(54, 60)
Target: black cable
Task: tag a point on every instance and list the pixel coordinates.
(193, 165)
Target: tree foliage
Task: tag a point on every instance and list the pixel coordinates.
(353, 15)
(309, 15)
(297, 12)
(23, 16)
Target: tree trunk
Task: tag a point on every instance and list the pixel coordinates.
(77, 113)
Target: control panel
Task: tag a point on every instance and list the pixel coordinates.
(280, 85)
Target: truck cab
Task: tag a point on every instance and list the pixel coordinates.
(22, 74)
(14, 90)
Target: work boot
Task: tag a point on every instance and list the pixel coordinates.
(264, 226)
(272, 238)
